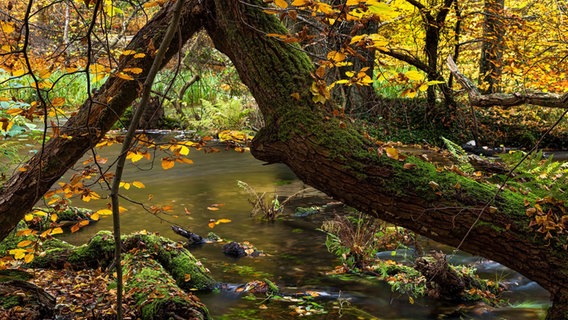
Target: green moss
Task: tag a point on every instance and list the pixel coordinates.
(10, 301)
(157, 299)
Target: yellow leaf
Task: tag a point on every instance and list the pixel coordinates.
(29, 257)
(134, 156)
(187, 277)
(222, 221)
(104, 212)
(40, 213)
(335, 56)
(212, 208)
(184, 150)
(53, 217)
(56, 231)
(29, 217)
(18, 253)
(83, 223)
(128, 52)
(281, 4)
(392, 153)
(167, 163)
(24, 243)
(95, 216)
(295, 95)
(124, 76)
(134, 70)
(97, 68)
(138, 184)
(299, 3)
(7, 27)
(414, 75)
(125, 185)
(121, 209)
(139, 55)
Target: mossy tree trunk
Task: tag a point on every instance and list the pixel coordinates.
(159, 273)
(327, 152)
(335, 157)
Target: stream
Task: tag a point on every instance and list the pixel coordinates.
(297, 258)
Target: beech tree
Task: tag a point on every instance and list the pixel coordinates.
(324, 149)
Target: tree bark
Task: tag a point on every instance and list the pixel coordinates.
(335, 157)
(94, 119)
(490, 64)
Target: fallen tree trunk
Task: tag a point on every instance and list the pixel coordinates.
(159, 273)
(99, 253)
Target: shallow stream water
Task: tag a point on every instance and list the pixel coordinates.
(297, 258)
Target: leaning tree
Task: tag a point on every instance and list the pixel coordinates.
(325, 150)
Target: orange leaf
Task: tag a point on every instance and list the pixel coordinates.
(212, 208)
(24, 243)
(222, 221)
(211, 224)
(75, 228)
(167, 163)
(281, 4)
(56, 231)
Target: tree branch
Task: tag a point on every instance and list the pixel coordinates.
(543, 99)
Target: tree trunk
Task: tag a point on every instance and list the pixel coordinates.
(94, 119)
(333, 156)
(490, 65)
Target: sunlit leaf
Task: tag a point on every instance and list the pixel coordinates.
(18, 253)
(29, 258)
(222, 221)
(7, 27)
(281, 4)
(54, 217)
(212, 208)
(124, 185)
(24, 232)
(138, 184)
(184, 150)
(128, 52)
(167, 163)
(29, 217)
(134, 70)
(104, 212)
(139, 55)
(57, 230)
(124, 76)
(392, 153)
(83, 223)
(24, 243)
(414, 75)
(95, 216)
(211, 224)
